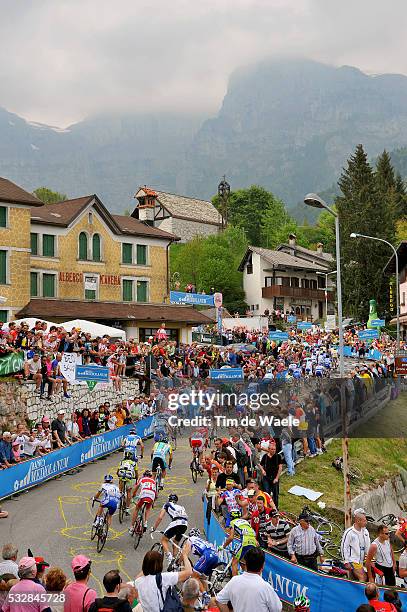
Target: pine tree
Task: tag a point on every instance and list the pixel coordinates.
(360, 210)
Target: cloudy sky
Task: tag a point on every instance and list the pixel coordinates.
(62, 60)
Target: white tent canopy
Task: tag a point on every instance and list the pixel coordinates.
(31, 322)
(96, 329)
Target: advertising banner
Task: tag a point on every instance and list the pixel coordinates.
(11, 363)
(200, 299)
(377, 323)
(368, 334)
(289, 580)
(304, 325)
(68, 364)
(30, 473)
(226, 374)
(94, 373)
(278, 335)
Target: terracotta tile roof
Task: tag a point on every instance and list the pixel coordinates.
(67, 309)
(183, 207)
(10, 192)
(130, 225)
(60, 213)
(282, 259)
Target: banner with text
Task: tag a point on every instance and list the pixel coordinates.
(30, 473)
(290, 580)
(200, 299)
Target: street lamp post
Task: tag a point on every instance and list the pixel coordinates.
(312, 199)
(354, 235)
(224, 193)
(326, 274)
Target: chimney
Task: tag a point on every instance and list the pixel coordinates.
(146, 205)
(320, 248)
(292, 240)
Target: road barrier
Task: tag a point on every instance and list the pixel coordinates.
(291, 580)
(30, 473)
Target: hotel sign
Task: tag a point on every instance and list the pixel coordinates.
(78, 277)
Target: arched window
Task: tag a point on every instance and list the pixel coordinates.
(83, 246)
(96, 247)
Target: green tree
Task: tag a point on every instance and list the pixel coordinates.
(211, 263)
(361, 209)
(48, 196)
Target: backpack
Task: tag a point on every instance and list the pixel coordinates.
(172, 602)
(101, 607)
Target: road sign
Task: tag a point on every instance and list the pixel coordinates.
(95, 373)
(304, 325)
(368, 334)
(200, 299)
(226, 374)
(377, 323)
(278, 335)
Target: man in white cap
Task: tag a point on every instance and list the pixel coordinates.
(27, 571)
(355, 544)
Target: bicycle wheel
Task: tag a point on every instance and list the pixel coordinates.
(355, 473)
(138, 528)
(122, 505)
(220, 577)
(194, 472)
(94, 530)
(390, 520)
(324, 528)
(158, 547)
(174, 443)
(333, 551)
(102, 535)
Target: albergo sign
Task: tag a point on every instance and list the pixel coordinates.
(77, 277)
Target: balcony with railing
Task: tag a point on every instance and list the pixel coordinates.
(295, 292)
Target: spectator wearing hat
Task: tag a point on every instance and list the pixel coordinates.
(78, 595)
(41, 567)
(27, 572)
(59, 430)
(303, 544)
(9, 564)
(355, 545)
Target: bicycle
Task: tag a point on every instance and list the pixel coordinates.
(354, 472)
(323, 526)
(220, 577)
(174, 438)
(101, 529)
(175, 563)
(123, 502)
(195, 466)
(158, 478)
(138, 529)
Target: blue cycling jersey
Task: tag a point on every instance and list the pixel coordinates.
(199, 545)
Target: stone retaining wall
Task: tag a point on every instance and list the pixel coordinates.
(18, 402)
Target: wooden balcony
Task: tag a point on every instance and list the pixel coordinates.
(296, 292)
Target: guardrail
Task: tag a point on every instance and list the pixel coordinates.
(35, 471)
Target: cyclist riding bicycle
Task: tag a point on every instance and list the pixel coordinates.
(240, 530)
(147, 492)
(161, 426)
(127, 472)
(177, 526)
(131, 442)
(207, 553)
(161, 455)
(109, 497)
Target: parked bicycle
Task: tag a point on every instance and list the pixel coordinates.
(100, 529)
(353, 471)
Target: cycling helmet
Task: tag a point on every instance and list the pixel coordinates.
(194, 532)
(164, 439)
(147, 474)
(301, 604)
(133, 430)
(108, 478)
(128, 455)
(173, 498)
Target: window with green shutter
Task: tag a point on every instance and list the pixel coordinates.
(90, 294)
(96, 247)
(127, 253)
(141, 255)
(3, 267)
(127, 290)
(48, 245)
(83, 246)
(142, 288)
(48, 285)
(34, 244)
(4, 316)
(34, 284)
(3, 216)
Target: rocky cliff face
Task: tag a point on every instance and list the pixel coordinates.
(286, 125)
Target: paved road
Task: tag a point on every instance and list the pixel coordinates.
(54, 519)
